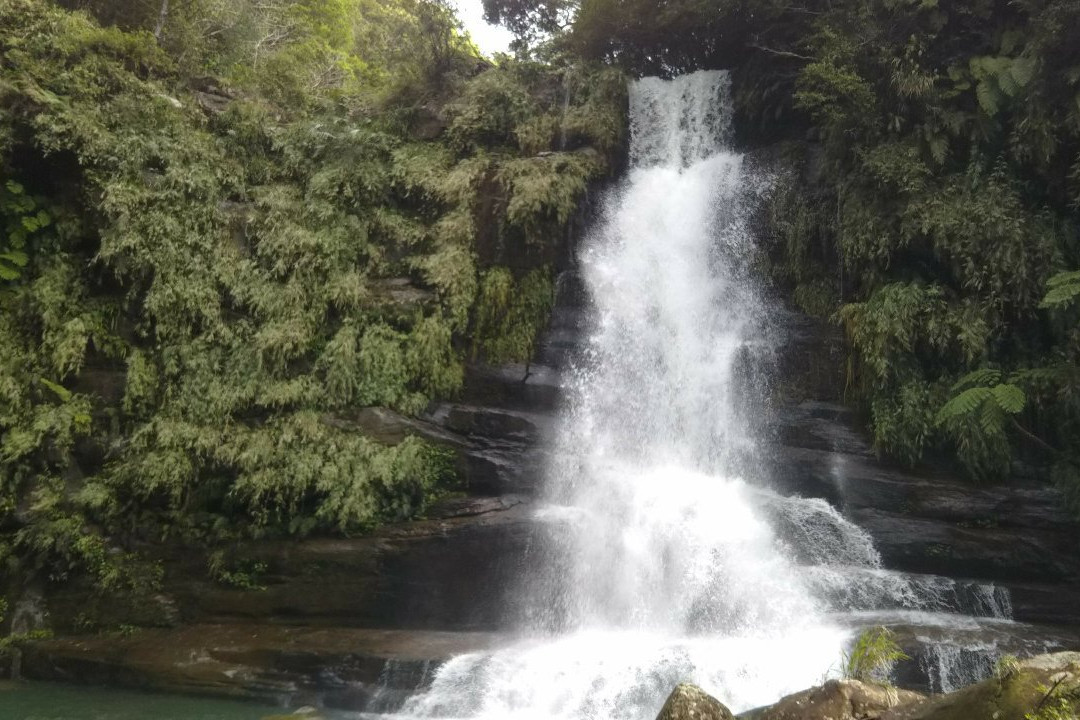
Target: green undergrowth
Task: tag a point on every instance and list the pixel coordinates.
(220, 238)
(932, 212)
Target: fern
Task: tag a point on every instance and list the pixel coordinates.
(1009, 398)
(964, 405)
(1061, 290)
(975, 418)
(977, 378)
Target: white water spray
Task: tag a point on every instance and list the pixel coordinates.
(667, 561)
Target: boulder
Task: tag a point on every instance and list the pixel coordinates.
(837, 700)
(1028, 687)
(689, 702)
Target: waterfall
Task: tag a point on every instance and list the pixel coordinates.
(668, 559)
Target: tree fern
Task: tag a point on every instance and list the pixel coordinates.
(1061, 290)
(976, 418)
(977, 378)
(963, 405)
(1009, 398)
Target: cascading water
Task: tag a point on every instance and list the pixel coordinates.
(668, 560)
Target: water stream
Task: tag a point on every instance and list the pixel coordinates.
(668, 559)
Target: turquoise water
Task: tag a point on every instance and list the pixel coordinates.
(46, 701)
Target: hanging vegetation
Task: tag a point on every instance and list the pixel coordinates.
(225, 225)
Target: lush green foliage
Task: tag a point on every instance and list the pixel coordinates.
(199, 283)
(949, 154)
(872, 656)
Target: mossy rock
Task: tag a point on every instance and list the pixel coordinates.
(689, 702)
(836, 700)
(1037, 684)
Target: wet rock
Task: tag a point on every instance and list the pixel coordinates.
(1037, 683)
(689, 702)
(535, 387)
(419, 575)
(996, 553)
(944, 658)
(811, 366)
(491, 423)
(836, 700)
(1017, 535)
(331, 667)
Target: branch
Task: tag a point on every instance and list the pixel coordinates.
(781, 53)
(1035, 438)
(1047, 695)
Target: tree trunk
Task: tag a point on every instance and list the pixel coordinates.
(162, 17)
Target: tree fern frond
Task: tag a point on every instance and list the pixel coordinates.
(1009, 398)
(1039, 376)
(963, 404)
(1062, 289)
(1007, 84)
(1022, 70)
(991, 419)
(977, 378)
(987, 93)
(1064, 278)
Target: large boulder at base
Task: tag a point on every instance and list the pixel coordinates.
(837, 700)
(689, 702)
(1039, 682)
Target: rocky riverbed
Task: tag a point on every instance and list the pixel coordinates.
(1046, 686)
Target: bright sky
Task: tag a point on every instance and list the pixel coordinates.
(489, 38)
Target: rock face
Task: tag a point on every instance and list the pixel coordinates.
(334, 667)
(1017, 535)
(448, 572)
(836, 700)
(689, 702)
(1038, 684)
